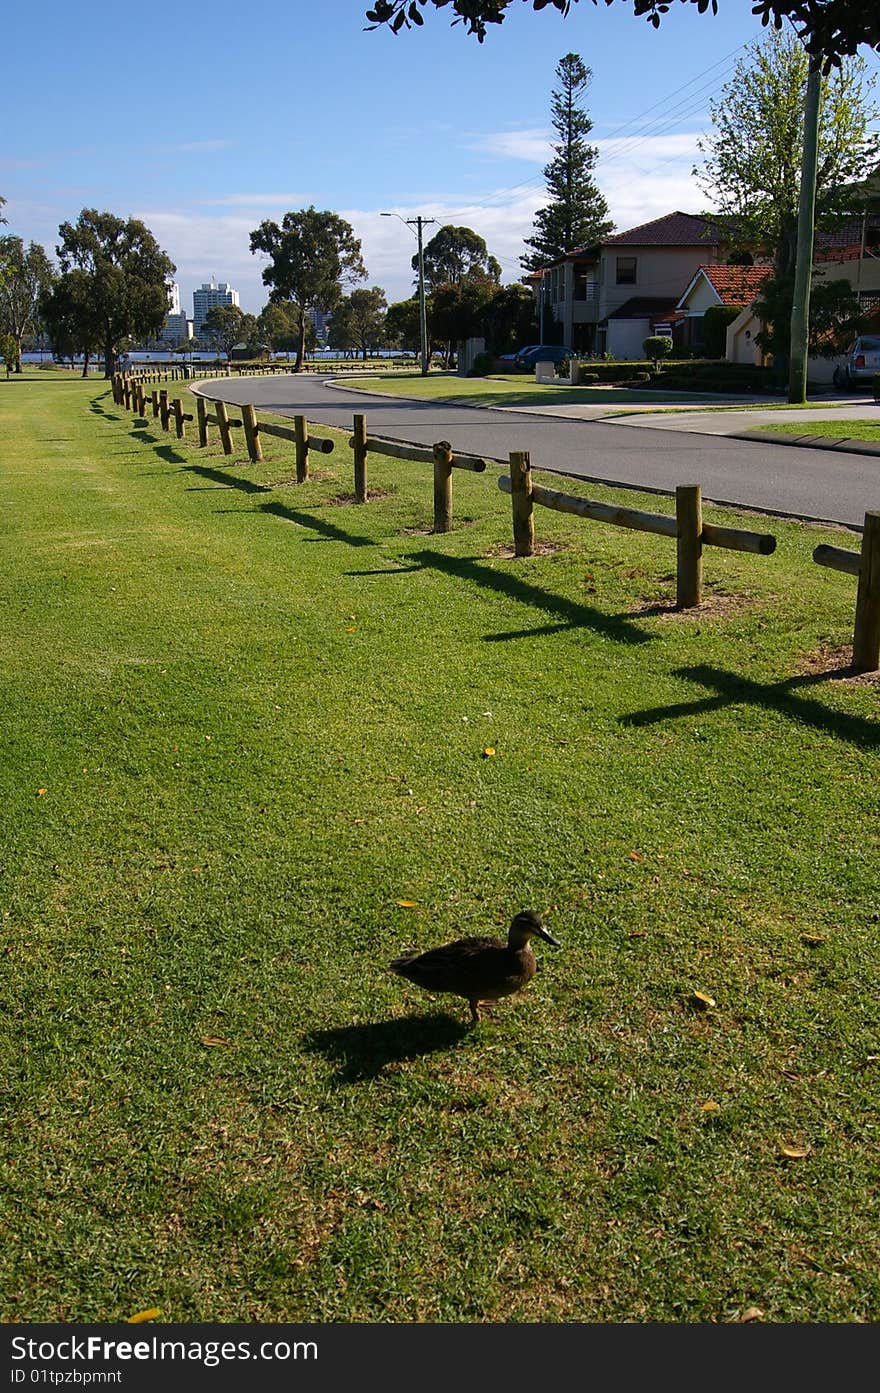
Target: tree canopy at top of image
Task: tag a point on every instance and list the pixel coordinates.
(829, 29)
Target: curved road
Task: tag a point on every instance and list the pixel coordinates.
(790, 481)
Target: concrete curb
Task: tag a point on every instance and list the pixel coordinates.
(813, 442)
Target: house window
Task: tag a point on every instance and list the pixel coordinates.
(626, 270)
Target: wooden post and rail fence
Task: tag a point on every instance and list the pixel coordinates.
(687, 528)
(866, 565)
(440, 455)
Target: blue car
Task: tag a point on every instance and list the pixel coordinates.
(543, 353)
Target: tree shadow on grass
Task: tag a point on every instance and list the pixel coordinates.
(364, 1051)
(570, 614)
(783, 697)
(326, 529)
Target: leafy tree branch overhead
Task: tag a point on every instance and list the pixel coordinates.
(830, 29)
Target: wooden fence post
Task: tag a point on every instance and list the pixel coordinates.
(225, 429)
(164, 409)
(251, 434)
(178, 418)
(359, 445)
(522, 504)
(302, 449)
(154, 398)
(689, 516)
(443, 486)
(866, 636)
(201, 416)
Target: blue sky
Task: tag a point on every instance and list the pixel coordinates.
(205, 121)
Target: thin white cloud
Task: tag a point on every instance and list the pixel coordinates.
(257, 200)
(640, 180)
(531, 145)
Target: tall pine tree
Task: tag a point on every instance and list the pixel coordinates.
(577, 214)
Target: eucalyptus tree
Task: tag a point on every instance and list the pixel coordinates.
(127, 274)
(358, 322)
(752, 171)
(27, 275)
(576, 214)
(70, 315)
(455, 255)
(312, 255)
(229, 325)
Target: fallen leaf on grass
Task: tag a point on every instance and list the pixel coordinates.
(636, 856)
(794, 1153)
(151, 1313)
(407, 904)
(41, 791)
(710, 1106)
(214, 1040)
(488, 751)
(749, 1314)
(702, 1000)
(812, 940)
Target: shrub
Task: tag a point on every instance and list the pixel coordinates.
(482, 365)
(657, 346)
(715, 322)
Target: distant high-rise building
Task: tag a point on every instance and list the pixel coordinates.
(320, 322)
(173, 297)
(207, 298)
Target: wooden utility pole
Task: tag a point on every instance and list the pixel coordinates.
(800, 305)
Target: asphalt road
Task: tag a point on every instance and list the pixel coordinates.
(789, 481)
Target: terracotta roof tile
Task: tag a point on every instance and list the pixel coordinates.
(736, 285)
(673, 230)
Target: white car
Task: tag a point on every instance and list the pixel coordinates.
(862, 362)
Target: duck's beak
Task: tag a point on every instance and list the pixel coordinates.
(548, 937)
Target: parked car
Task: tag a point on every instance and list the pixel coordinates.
(543, 353)
(862, 362)
(526, 348)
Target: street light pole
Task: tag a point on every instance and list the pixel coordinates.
(419, 222)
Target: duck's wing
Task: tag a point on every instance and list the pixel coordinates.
(455, 967)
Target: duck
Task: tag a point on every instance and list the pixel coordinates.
(479, 969)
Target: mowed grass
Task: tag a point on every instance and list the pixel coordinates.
(838, 430)
(244, 721)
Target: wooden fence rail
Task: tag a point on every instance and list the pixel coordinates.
(441, 455)
(687, 527)
(866, 565)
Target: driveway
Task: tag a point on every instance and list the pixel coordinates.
(793, 481)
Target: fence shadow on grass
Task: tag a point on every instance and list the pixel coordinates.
(570, 614)
(363, 1051)
(326, 529)
(219, 476)
(784, 697)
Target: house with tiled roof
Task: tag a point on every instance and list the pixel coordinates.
(849, 251)
(608, 298)
(732, 287)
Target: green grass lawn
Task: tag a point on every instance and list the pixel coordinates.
(520, 389)
(244, 766)
(516, 390)
(838, 430)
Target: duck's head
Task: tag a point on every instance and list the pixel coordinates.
(529, 924)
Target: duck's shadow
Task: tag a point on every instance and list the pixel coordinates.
(363, 1051)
